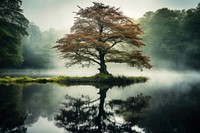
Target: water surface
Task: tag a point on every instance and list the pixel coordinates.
(167, 103)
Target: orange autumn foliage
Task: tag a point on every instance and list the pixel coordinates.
(103, 34)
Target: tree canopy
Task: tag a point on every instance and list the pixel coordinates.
(13, 26)
(103, 34)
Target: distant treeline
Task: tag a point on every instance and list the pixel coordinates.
(173, 37)
(37, 47)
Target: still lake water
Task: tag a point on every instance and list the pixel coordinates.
(167, 103)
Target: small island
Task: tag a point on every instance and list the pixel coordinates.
(66, 80)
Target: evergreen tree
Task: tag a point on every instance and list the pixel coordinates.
(13, 26)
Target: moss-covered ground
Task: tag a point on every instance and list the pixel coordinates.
(66, 80)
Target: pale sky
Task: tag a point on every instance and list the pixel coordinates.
(58, 14)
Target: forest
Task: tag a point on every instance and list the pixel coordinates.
(171, 38)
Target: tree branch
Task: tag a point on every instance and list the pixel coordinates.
(82, 56)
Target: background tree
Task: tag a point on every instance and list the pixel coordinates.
(13, 26)
(173, 37)
(37, 47)
(192, 37)
(103, 34)
(163, 33)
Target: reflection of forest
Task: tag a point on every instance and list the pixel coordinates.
(174, 111)
(86, 115)
(23, 105)
(39, 103)
(12, 112)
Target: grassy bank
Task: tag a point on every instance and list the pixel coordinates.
(97, 79)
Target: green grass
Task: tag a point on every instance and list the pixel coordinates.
(66, 80)
(23, 79)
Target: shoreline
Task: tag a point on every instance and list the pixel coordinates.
(67, 80)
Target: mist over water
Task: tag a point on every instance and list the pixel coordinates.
(167, 75)
(171, 92)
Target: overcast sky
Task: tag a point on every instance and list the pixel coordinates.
(58, 14)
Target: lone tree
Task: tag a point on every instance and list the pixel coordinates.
(103, 34)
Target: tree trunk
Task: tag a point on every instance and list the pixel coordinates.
(103, 67)
(102, 114)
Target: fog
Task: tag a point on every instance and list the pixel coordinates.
(38, 49)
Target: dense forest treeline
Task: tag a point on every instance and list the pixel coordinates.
(23, 44)
(13, 26)
(171, 38)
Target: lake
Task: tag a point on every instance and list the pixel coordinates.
(169, 102)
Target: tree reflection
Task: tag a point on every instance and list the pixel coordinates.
(12, 114)
(86, 115)
(131, 108)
